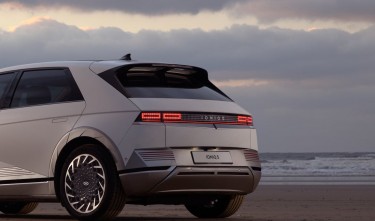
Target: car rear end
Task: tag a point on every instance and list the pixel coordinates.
(189, 138)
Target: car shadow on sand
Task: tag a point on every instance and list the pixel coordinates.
(35, 217)
(67, 217)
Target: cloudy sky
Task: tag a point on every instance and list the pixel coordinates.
(304, 68)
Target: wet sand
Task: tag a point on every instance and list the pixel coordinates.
(276, 203)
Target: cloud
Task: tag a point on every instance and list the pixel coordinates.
(268, 11)
(147, 7)
(308, 91)
(239, 52)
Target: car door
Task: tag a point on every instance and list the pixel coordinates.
(45, 105)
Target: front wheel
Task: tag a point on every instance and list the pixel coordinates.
(18, 207)
(215, 206)
(89, 185)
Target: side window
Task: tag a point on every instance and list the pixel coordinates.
(5, 82)
(45, 87)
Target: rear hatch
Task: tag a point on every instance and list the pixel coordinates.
(195, 112)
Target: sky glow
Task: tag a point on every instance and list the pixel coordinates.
(304, 68)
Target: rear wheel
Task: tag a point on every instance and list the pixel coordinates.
(18, 207)
(215, 206)
(89, 185)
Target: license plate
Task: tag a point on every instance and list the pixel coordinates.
(212, 157)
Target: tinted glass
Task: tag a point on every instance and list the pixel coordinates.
(204, 93)
(167, 82)
(5, 81)
(45, 87)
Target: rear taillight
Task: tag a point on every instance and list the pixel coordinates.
(151, 117)
(196, 118)
(245, 120)
(172, 117)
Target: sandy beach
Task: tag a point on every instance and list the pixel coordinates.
(269, 202)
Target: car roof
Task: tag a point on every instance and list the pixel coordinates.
(69, 64)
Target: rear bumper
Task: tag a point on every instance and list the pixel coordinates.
(190, 179)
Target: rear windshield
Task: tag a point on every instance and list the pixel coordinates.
(154, 81)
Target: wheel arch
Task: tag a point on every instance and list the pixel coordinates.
(74, 139)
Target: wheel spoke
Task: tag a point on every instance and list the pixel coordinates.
(88, 207)
(100, 197)
(84, 159)
(77, 162)
(101, 176)
(101, 185)
(67, 185)
(69, 195)
(81, 207)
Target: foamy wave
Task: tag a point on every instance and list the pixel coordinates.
(318, 164)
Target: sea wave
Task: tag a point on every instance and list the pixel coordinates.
(318, 164)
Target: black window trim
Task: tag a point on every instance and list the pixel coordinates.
(10, 93)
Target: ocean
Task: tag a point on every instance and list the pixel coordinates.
(318, 168)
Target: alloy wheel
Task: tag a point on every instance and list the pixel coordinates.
(85, 182)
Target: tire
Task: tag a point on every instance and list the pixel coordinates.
(17, 207)
(215, 206)
(90, 188)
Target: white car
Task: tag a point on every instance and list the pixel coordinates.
(95, 135)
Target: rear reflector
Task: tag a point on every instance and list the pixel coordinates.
(196, 118)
